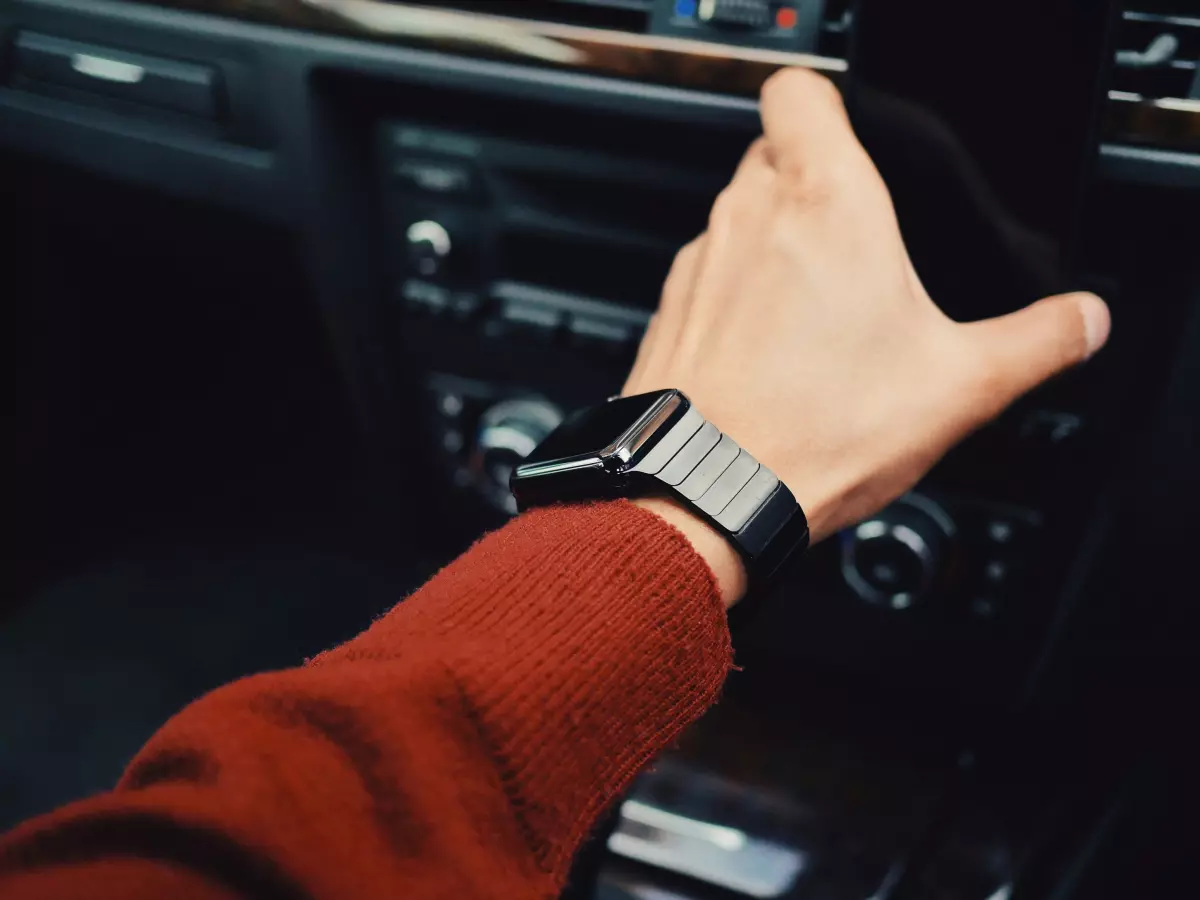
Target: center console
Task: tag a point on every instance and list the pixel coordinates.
(526, 241)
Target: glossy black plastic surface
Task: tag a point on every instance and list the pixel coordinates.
(982, 122)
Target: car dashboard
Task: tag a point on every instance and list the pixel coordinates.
(471, 207)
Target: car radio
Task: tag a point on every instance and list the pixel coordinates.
(533, 233)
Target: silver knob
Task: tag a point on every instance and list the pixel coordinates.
(895, 558)
(509, 432)
(429, 247)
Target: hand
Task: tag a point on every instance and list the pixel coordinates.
(797, 324)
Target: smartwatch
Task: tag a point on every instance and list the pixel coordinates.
(660, 444)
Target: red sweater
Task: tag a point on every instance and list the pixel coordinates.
(462, 746)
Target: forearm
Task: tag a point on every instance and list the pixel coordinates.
(463, 745)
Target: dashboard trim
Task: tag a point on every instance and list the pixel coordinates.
(1150, 166)
(650, 59)
(654, 59)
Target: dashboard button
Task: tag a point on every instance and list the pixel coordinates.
(421, 296)
(602, 333)
(735, 13)
(537, 319)
(148, 80)
(1000, 531)
(440, 177)
(451, 404)
(601, 329)
(995, 572)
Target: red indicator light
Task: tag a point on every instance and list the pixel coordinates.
(786, 18)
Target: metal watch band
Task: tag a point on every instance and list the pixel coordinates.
(739, 495)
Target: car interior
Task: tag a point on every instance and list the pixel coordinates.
(293, 286)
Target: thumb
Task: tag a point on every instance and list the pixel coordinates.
(1025, 348)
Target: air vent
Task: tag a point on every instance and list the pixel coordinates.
(619, 15)
(1158, 46)
(837, 23)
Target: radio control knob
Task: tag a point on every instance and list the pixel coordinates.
(895, 558)
(429, 247)
(509, 432)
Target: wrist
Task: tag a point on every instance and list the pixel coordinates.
(725, 563)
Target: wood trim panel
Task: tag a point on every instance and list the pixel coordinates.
(655, 59)
(661, 60)
(1168, 124)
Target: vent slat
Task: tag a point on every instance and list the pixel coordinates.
(1158, 46)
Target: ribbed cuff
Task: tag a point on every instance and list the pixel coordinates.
(584, 638)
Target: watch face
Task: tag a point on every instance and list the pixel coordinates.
(593, 432)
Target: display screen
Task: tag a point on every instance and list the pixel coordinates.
(590, 430)
(982, 126)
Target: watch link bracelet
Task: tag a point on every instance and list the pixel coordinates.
(659, 444)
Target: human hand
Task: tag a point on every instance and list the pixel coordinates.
(797, 324)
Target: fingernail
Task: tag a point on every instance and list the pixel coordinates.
(1097, 322)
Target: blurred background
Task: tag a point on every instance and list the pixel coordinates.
(290, 288)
